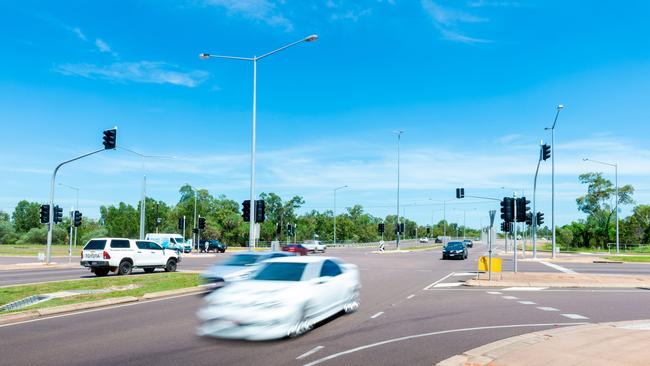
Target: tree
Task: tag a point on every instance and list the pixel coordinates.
(121, 221)
(636, 228)
(26, 216)
(598, 206)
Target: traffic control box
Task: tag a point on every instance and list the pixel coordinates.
(483, 264)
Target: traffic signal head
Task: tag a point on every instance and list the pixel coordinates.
(401, 228)
(522, 209)
(460, 192)
(507, 209)
(77, 218)
(110, 138)
(380, 227)
(259, 210)
(529, 218)
(45, 214)
(181, 223)
(546, 152)
(246, 210)
(201, 223)
(58, 214)
(278, 229)
(540, 218)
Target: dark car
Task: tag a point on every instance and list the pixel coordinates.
(454, 249)
(468, 243)
(212, 246)
(295, 248)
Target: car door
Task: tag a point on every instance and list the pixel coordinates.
(144, 253)
(157, 254)
(329, 289)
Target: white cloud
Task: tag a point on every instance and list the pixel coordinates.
(153, 72)
(261, 10)
(79, 33)
(447, 20)
(103, 47)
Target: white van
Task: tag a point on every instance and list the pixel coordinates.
(173, 241)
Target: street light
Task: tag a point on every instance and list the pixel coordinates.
(254, 59)
(143, 195)
(552, 128)
(336, 189)
(76, 207)
(616, 179)
(399, 137)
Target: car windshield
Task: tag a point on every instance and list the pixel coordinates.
(179, 240)
(240, 260)
(455, 246)
(281, 272)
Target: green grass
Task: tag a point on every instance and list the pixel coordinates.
(154, 282)
(426, 247)
(34, 249)
(630, 258)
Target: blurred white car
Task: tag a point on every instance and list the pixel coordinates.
(285, 297)
(314, 246)
(424, 240)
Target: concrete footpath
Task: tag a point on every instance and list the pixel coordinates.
(561, 280)
(612, 344)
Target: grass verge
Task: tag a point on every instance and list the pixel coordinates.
(147, 283)
(34, 249)
(630, 258)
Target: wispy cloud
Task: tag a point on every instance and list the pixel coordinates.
(447, 21)
(153, 72)
(103, 47)
(79, 33)
(492, 3)
(260, 10)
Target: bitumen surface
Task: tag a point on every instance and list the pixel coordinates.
(413, 312)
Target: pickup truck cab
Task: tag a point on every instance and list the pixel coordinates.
(121, 255)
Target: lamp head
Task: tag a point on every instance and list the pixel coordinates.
(204, 56)
(311, 38)
(560, 107)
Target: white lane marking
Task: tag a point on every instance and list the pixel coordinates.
(524, 289)
(393, 340)
(440, 280)
(494, 292)
(547, 308)
(574, 316)
(310, 352)
(100, 309)
(527, 302)
(558, 268)
(376, 315)
(465, 274)
(509, 297)
(410, 297)
(452, 284)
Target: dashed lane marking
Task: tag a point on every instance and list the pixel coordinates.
(494, 293)
(547, 308)
(376, 315)
(310, 352)
(450, 284)
(574, 316)
(410, 296)
(524, 288)
(510, 297)
(558, 267)
(527, 302)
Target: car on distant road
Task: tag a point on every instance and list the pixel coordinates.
(314, 246)
(295, 248)
(121, 255)
(468, 243)
(238, 267)
(437, 241)
(285, 297)
(212, 246)
(454, 249)
(424, 240)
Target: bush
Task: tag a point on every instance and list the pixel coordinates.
(99, 233)
(38, 235)
(7, 233)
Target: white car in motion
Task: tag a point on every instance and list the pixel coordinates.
(285, 297)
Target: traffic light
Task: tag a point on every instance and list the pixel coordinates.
(540, 218)
(503, 226)
(506, 227)
(401, 228)
(45, 214)
(201, 223)
(291, 229)
(58, 214)
(195, 230)
(259, 211)
(246, 210)
(507, 209)
(546, 152)
(278, 229)
(380, 227)
(522, 209)
(181, 223)
(529, 218)
(77, 218)
(460, 192)
(428, 231)
(110, 138)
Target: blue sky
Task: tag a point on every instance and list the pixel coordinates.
(473, 83)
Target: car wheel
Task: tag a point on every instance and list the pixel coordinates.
(101, 272)
(125, 268)
(302, 326)
(149, 270)
(171, 265)
(353, 302)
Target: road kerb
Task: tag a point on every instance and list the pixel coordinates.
(32, 314)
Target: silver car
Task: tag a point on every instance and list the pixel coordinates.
(238, 266)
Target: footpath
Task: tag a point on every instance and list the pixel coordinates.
(612, 344)
(561, 280)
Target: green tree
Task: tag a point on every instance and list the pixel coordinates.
(121, 221)
(635, 229)
(26, 216)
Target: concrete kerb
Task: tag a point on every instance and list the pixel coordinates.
(491, 352)
(32, 314)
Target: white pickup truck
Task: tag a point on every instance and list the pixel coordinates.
(314, 246)
(103, 255)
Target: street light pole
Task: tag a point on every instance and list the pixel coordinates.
(336, 189)
(76, 208)
(615, 165)
(399, 137)
(254, 59)
(552, 128)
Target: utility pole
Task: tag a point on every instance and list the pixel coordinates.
(514, 195)
(399, 137)
(552, 128)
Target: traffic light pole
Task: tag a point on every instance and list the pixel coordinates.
(514, 249)
(50, 228)
(534, 214)
(71, 226)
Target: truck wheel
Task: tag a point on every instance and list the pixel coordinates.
(101, 272)
(171, 265)
(125, 268)
(149, 270)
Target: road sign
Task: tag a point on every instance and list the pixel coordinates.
(492, 213)
(483, 264)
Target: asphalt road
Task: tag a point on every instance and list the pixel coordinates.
(411, 296)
